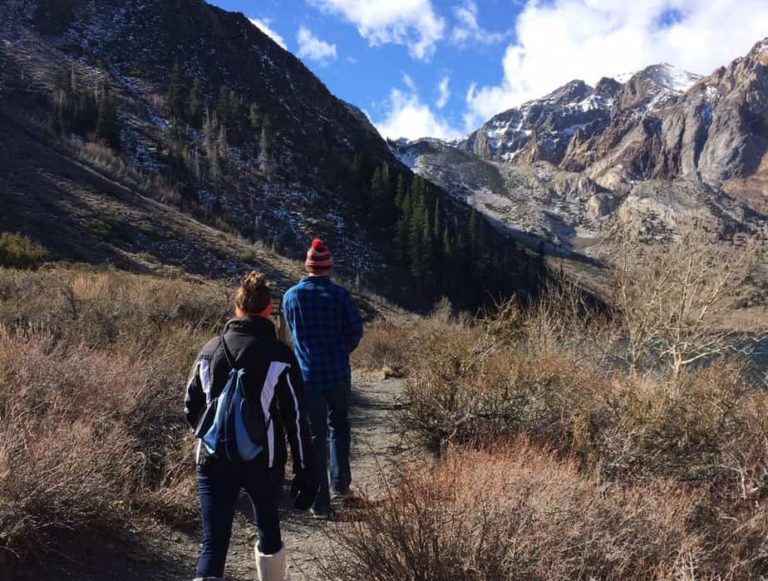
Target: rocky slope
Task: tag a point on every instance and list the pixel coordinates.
(131, 46)
(195, 108)
(661, 149)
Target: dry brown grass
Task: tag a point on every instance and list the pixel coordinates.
(92, 369)
(654, 439)
(523, 513)
(399, 345)
(707, 425)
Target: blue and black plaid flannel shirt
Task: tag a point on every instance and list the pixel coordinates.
(326, 327)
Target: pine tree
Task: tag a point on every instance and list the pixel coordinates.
(196, 103)
(177, 94)
(419, 223)
(358, 166)
(402, 188)
(86, 110)
(213, 133)
(473, 229)
(428, 252)
(266, 165)
(376, 193)
(222, 104)
(236, 118)
(62, 97)
(107, 123)
(255, 116)
(449, 257)
(402, 229)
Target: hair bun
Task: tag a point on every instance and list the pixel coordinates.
(254, 280)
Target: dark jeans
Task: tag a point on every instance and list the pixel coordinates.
(219, 484)
(328, 410)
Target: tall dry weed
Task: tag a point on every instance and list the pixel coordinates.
(92, 435)
(520, 512)
(557, 381)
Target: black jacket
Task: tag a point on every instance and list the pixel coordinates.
(272, 377)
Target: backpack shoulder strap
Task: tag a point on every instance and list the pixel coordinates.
(227, 354)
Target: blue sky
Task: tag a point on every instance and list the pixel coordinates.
(443, 67)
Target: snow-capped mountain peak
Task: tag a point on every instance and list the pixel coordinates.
(665, 75)
(671, 77)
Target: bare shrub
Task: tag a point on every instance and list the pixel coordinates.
(86, 437)
(92, 435)
(400, 346)
(521, 513)
(708, 426)
(528, 376)
(674, 298)
(383, 345)
(118, 310)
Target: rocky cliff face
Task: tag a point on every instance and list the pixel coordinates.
(629, 138)
(718, 130)
(660, 149)
(541, 130)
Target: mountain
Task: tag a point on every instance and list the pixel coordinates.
(125, 116)
(542, 129)
(654, 150)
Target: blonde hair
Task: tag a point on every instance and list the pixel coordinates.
(253, 295)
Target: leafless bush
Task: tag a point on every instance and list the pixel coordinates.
(115, 310)
(92, 433)
(521, 513)
(86, 438)
(557, 384)
(675, 298)
(708, 426)
(400, 346)
(467, 388)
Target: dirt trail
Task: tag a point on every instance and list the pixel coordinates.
(375, 444)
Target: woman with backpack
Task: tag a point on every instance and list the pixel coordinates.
(245, 394)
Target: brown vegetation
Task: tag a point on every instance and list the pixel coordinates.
(646, 437)
(518, 513)
(92, 368)
(674, 298)
(19, 251)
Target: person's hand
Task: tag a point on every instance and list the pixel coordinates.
(304, 489)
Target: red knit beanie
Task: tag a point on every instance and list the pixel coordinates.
(319, 259)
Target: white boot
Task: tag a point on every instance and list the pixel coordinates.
(272, 567)
(209, 578)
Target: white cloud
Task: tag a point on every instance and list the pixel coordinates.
(313, 48)
(468, 30)
(412, 23)
(264, 26)
(444, 92)
(561, 40)
(409, 117)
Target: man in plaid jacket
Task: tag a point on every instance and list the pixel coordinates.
(325, 326)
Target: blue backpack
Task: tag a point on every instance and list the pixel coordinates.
(232, 427)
